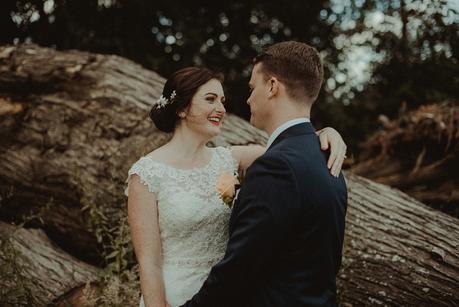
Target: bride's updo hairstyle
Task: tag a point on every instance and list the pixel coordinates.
(177, 95)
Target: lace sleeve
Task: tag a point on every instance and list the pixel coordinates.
(146, 173)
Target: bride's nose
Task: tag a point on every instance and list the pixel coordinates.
(220, 107)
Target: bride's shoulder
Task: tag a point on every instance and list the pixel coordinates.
(159, 154)
(148, 171)
(227, 154)
(149, 162)
(222, 151)
(153, 159)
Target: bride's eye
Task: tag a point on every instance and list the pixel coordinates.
(211, 99)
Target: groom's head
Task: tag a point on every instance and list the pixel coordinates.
(286, 76)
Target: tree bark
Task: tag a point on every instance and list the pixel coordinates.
(72, 123)
(34, 270)
(397, 250)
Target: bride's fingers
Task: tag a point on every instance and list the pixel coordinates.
(331, 160)
(336, 168)
(334, 150)
(330, 139)
(324, 140)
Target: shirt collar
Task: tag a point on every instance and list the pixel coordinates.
(284, 127)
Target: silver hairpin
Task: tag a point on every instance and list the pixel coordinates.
(163, 101)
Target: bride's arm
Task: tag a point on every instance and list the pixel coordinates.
(246, 154)
(143, 223)
(329, 139)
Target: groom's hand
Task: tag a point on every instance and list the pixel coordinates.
(331, 139)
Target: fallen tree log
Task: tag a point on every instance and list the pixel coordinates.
(71, 124)
(34, 271)
(397, 251)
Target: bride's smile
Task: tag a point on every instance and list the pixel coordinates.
(207, 111)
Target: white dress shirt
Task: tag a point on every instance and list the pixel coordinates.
(284, 127)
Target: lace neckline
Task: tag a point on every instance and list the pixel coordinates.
(184, 170)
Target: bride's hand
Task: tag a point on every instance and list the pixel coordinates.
(330, 138)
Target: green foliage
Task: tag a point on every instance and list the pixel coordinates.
(165, 36)
(115, 241)
(412, 50)
(118, 285)
(114, 290)
(378, 54)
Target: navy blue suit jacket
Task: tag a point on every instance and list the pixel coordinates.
(286, 231)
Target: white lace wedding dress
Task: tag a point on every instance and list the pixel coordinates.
(193, 220)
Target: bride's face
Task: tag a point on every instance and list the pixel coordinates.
(206, 112)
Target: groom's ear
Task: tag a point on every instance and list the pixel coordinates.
(273, 84)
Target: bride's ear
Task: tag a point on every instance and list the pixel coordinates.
(183, 113)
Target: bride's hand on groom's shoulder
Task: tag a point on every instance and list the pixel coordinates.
(331, 139)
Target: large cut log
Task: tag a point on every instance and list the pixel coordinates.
(397, 250)
(71, 124)
(34, 271)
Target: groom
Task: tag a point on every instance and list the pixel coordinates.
(287, 225)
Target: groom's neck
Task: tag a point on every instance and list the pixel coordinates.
(286, 112)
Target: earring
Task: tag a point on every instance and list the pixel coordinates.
(182, 115)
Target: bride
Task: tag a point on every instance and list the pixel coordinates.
(177, 219)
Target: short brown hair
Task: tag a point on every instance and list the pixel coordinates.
(297, 65)
(185, 82)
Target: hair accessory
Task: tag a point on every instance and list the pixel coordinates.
(163, 101)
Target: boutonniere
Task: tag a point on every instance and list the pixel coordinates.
(227, 185)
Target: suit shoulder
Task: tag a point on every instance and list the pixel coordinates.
(272, 165)
(272, 160)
